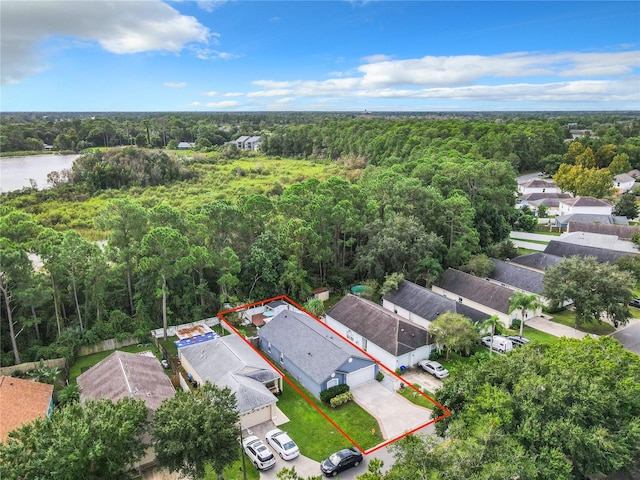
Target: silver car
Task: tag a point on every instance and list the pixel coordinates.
(434, 368)
(282, 444)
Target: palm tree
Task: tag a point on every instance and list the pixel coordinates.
(490, 324)
(523, 302)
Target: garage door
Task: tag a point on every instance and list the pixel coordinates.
(360, 376)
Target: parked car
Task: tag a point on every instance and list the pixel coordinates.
(434, 368)
(258, 453)
(282, 444)
(500, 344)
(340, 461)
(635, 302)
(518, 341)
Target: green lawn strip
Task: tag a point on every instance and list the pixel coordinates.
(234, 472)
(83, 363)
(526, 251)
(169, 346)
(457, 363)
(535, 335)
(315, 436)
(567, 317)
(635, 312)
(541, 242)
(545, 232)
(414, 397)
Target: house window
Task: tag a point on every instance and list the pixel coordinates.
(364, 344)
(333, 382)
(269, 347)
(460, 299)
(350, 335)
(281, 357)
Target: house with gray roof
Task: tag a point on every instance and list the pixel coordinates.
(230, 361)
(539, 261)
(422, 306)
(124, 374)
(318, 357)
(516, 277)
(563, 220)
(623, 183)
(566, 249)
(390, 339)
(623, 232)
(481, 294)
(537, 185)
(137, 376)
(588, 205)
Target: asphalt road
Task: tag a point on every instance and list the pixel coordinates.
(629, 336)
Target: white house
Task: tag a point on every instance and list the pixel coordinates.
(586, 205)
(386, 336)
(538, 185)
(623, 183)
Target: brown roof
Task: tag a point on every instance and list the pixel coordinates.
(586, 202)
(386, 329)
(124, 374)
(22, 401)
(319, 290)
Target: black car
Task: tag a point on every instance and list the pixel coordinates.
(635, 302)
(340, 461)
(518, 341)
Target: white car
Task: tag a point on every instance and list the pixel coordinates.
(258, 453)
(434, 368)
(282, 444)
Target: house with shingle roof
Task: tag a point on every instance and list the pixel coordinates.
(392, 340)
(538, 261)
(422, 306)
(538, 185)
(480, 294)
(623, 232)
(515, 277)
(21, 402)
(124, 374)
(314, 354)
(230, 361)
(566, 249)
(623, 183)
(563, 220)
(587, 205)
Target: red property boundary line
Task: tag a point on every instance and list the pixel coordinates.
(221, 315)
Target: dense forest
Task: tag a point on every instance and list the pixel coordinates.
(330, 200)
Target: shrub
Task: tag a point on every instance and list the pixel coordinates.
(341, 399)
(379, 376)
(329, 393)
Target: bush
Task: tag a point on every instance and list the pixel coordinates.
(341, 399)
(329, 393)
(379, 376)
(515, 325)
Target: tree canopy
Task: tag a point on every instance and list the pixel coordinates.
(197, 428)
(93, 440)
(597, 290)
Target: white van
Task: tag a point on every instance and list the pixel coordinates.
(500, 344)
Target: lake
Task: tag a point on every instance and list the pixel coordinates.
(16, 172)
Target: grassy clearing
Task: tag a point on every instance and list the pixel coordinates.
(234, 472)
(568, 318)
(315, 436)
(539, 242)
(83, 363)
(416, 398)
(526, 251)
(458, 363)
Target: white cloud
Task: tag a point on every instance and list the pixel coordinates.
(175, 84)
(212, 93)
(510, 77)
(376, 58)
(210, 5)
(204, 53)
(233, 94)
(117, 26)
(223, 104)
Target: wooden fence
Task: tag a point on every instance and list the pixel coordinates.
(103, 346)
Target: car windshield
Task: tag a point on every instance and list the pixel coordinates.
(335, 459)
(439, 367)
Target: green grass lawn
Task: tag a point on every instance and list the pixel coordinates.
(84, 363)
(535, 335)
(234, 472)
(457, 363)
(567, 317)
(169, 346)
(414, 397)
(315, 436)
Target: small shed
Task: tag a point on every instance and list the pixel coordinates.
(321, 293)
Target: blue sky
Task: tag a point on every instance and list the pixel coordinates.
(153, 55)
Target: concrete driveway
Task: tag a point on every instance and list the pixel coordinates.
(395, 414)
(422, 378)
